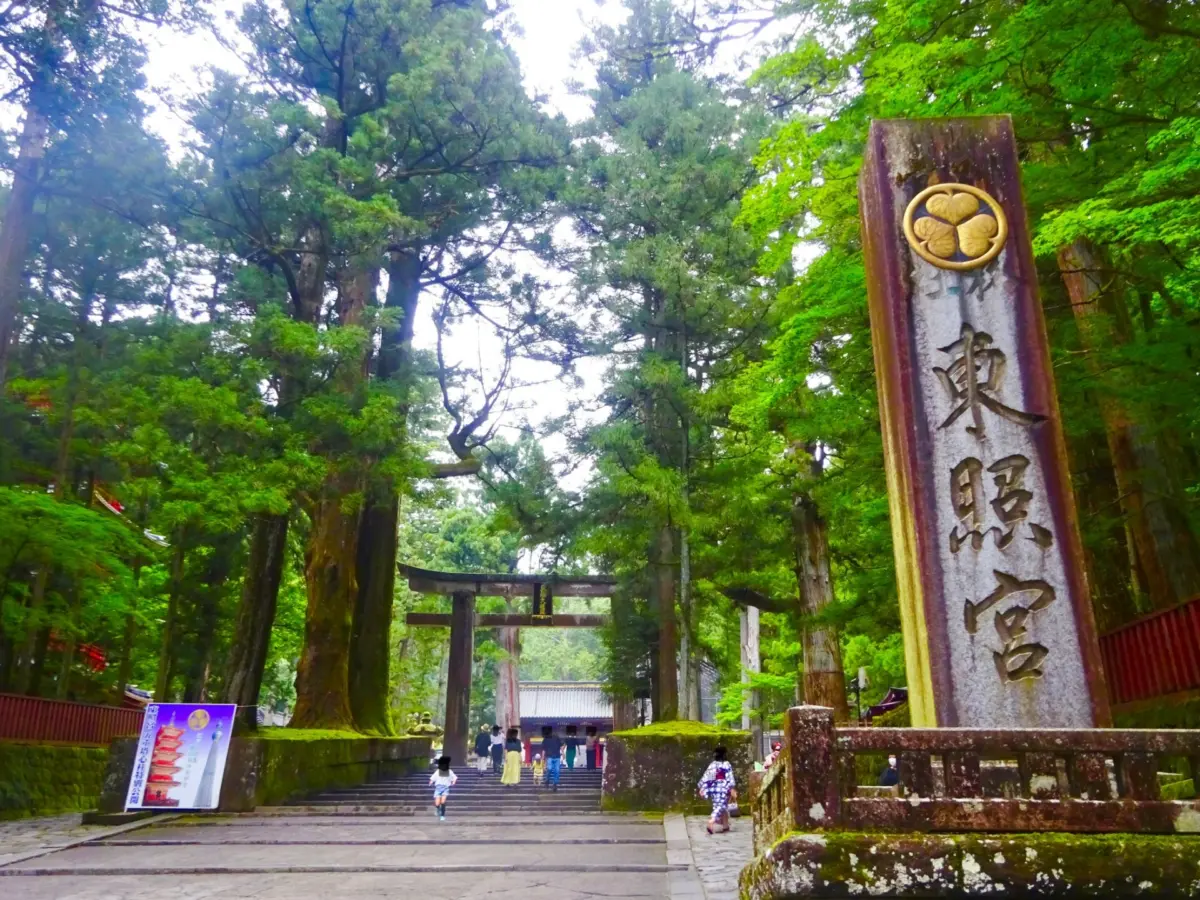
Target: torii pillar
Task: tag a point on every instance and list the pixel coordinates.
(458, 678)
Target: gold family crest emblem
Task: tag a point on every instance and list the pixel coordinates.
(955, 226)
(198, 720)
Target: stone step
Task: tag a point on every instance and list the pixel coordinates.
(103, 858)
(472, 791)
(490, 808)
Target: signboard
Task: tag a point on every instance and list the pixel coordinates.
(181, 755)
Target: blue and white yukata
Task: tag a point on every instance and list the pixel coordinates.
(715, 786)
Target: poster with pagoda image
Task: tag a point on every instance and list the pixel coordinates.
(181, 756)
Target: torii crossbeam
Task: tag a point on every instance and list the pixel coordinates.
(462, 621)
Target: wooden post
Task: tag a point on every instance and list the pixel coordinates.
(997, 618)
(458, 678)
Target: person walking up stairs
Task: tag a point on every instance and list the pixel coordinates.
(551, 752)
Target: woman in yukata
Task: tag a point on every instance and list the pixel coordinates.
(718, 787)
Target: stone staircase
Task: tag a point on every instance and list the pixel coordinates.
(474, 794)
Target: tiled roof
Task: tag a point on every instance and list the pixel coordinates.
(565, 702)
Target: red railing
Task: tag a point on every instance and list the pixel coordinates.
(38, 719)
(1154, 656)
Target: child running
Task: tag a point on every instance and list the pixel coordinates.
(442, 780)
(717, 786)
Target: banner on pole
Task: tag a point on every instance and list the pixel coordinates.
(181, 756)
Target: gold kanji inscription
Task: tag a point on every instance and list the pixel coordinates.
(1019, 658)
(972, 380)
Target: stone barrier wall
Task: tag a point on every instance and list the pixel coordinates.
(657, 767)
(39, 779)
(268, 771)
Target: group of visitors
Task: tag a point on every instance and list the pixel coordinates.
(505, 753)
(717, 784)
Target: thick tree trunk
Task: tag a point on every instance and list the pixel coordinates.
(1165, 546)
(331, 560)
(370, 642)
(18, 218)
(322, 678)
(824, 682)
(508, 678)
(220, 566)
(255, 616)
(371, 638)
(664, 595)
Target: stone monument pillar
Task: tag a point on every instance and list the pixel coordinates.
(997, 618)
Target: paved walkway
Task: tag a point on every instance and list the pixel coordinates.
(278, 854)
(719, 858)
(273, 856)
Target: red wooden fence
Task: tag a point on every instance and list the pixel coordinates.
(1154, 656)
(37, 719)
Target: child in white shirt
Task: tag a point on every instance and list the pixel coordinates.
(442, 780)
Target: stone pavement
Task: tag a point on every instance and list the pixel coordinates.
(719, 858)
(289, 853)
(21, 838)
(293, 856)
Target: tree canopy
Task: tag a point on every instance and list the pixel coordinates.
(379, 303)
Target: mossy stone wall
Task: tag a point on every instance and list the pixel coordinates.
(45, 779)
(275, 766)
(288, 769)
(847, 864)
(657, 767)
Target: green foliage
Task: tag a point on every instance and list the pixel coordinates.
(681, 728)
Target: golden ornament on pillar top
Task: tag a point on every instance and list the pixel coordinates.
(955, 226)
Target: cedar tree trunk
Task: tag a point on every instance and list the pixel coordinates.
(824, 682)
(255, 616)
(370, 649)
(1168, 557)
(331, 560)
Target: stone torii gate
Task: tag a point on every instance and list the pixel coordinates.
(464, 588)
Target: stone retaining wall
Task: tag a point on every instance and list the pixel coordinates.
(268, 771)
(657, 767)
(43, 779)
(847, 864)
